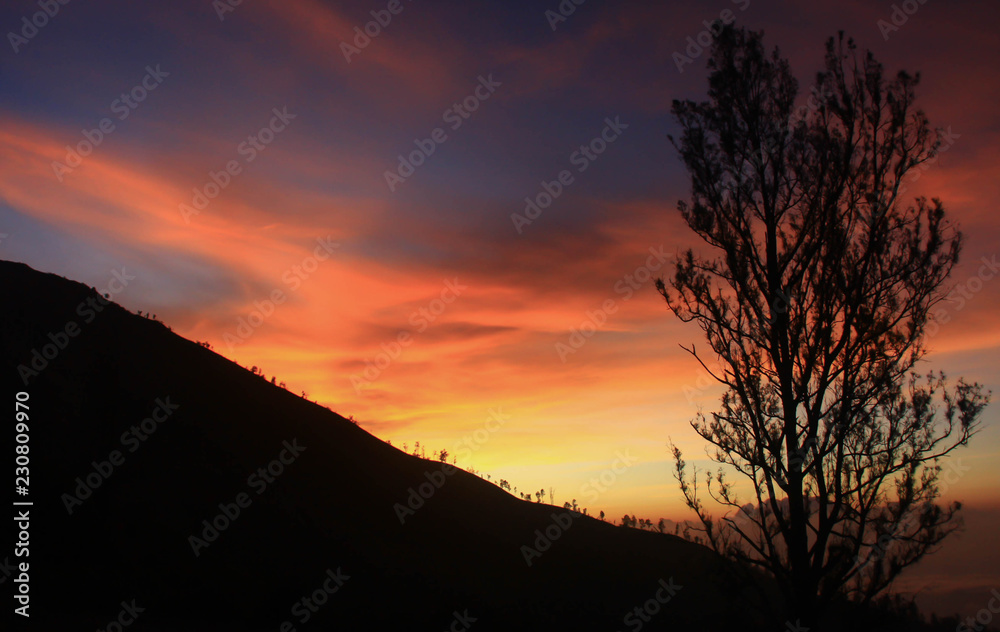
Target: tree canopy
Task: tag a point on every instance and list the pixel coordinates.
(813, 293)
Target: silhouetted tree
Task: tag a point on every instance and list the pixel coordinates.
(815, 304)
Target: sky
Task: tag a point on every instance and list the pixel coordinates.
(455, 217)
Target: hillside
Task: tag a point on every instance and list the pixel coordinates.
(330, 513)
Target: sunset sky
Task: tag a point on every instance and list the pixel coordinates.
(484, 301)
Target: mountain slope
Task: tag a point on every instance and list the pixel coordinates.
(331, 512)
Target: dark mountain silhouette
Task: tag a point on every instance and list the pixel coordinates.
(332, 507)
